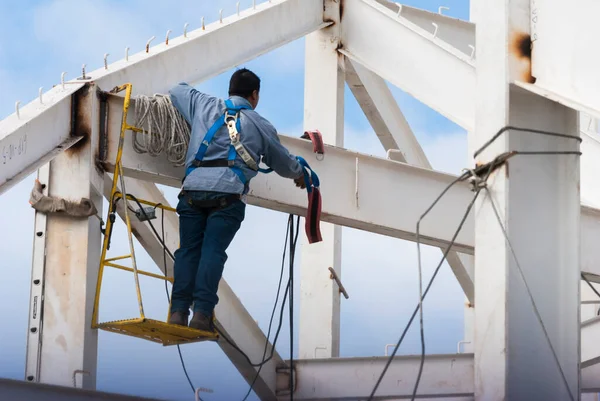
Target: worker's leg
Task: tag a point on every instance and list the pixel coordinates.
(192, 224)
(221, 227)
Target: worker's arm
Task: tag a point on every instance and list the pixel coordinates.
(277, 156)
(186, 100)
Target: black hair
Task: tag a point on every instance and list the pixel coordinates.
(243, 82)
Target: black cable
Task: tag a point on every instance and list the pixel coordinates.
(272, 312)
(391, 357)
(528, 130)
(292, 255)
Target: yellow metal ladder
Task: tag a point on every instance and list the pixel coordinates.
(141, 327)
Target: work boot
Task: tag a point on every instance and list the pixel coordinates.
(202, 322)
(179, 318)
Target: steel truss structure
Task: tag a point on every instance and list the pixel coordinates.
(532, 235)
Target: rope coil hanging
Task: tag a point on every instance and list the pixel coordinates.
(164, 128)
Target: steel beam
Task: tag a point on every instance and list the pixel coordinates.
(449, 377)
(232, 318)
(355, 378)
(72, 254)
(454, 31)
(39, 132)
(254, 31)
(15, 390)
(561, 61)
(347, 201)
(411, 58)
(394, 133)
(590, 351)
(319, 330)
(527, 287)
(43, 127)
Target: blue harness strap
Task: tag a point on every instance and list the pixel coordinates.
(231, 156)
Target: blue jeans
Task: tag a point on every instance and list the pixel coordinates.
(204, 237)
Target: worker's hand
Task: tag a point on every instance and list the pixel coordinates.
(300, 182)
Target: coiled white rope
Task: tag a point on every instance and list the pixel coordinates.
(164, 128)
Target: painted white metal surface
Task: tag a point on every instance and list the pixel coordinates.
(72, 257)
(354, 378)
(454, 31)
(411, 58)
(255, 31)
(232, 318)
(562, 60)
(36, 297)
(590, 165)
(319, 329)
(394, 133)
(590, 332)
(416, 187)
(384, 115)
(539, 207)
(35, 135)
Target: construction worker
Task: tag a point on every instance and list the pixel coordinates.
(212, 201)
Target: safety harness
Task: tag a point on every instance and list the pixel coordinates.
(230, 118)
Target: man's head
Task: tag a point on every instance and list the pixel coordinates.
(246, 84)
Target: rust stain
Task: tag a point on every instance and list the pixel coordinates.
(521, 48)
(341, 9)
(80, 120)
(60, 340)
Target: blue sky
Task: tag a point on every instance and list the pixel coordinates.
(40, 39)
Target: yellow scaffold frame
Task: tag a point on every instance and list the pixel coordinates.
(142, 327)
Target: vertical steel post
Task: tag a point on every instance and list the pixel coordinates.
(323, 110)
(71, 247)
(537, 200)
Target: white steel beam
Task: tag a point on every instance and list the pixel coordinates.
(454, 31)
(36, 134)
(393, 131)
(355, 378)
(539, 207)
(384, 115)
(72, 254)
(411, 58)
(319, 329)
(232, 317)
(590, 332)
(347, 201)
(410, 191)
(219, 45)
(449, 377)
(562, 62)
(42, 129)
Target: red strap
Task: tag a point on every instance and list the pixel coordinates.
(313, 217)
(317, 140)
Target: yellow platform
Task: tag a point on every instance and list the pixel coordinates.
(159, 332)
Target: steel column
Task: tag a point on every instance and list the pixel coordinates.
(323, 110)
(72, 252)
(537, 197)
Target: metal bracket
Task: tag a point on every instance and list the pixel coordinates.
(335, 277)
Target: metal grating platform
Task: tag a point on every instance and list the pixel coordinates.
(159, 332)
